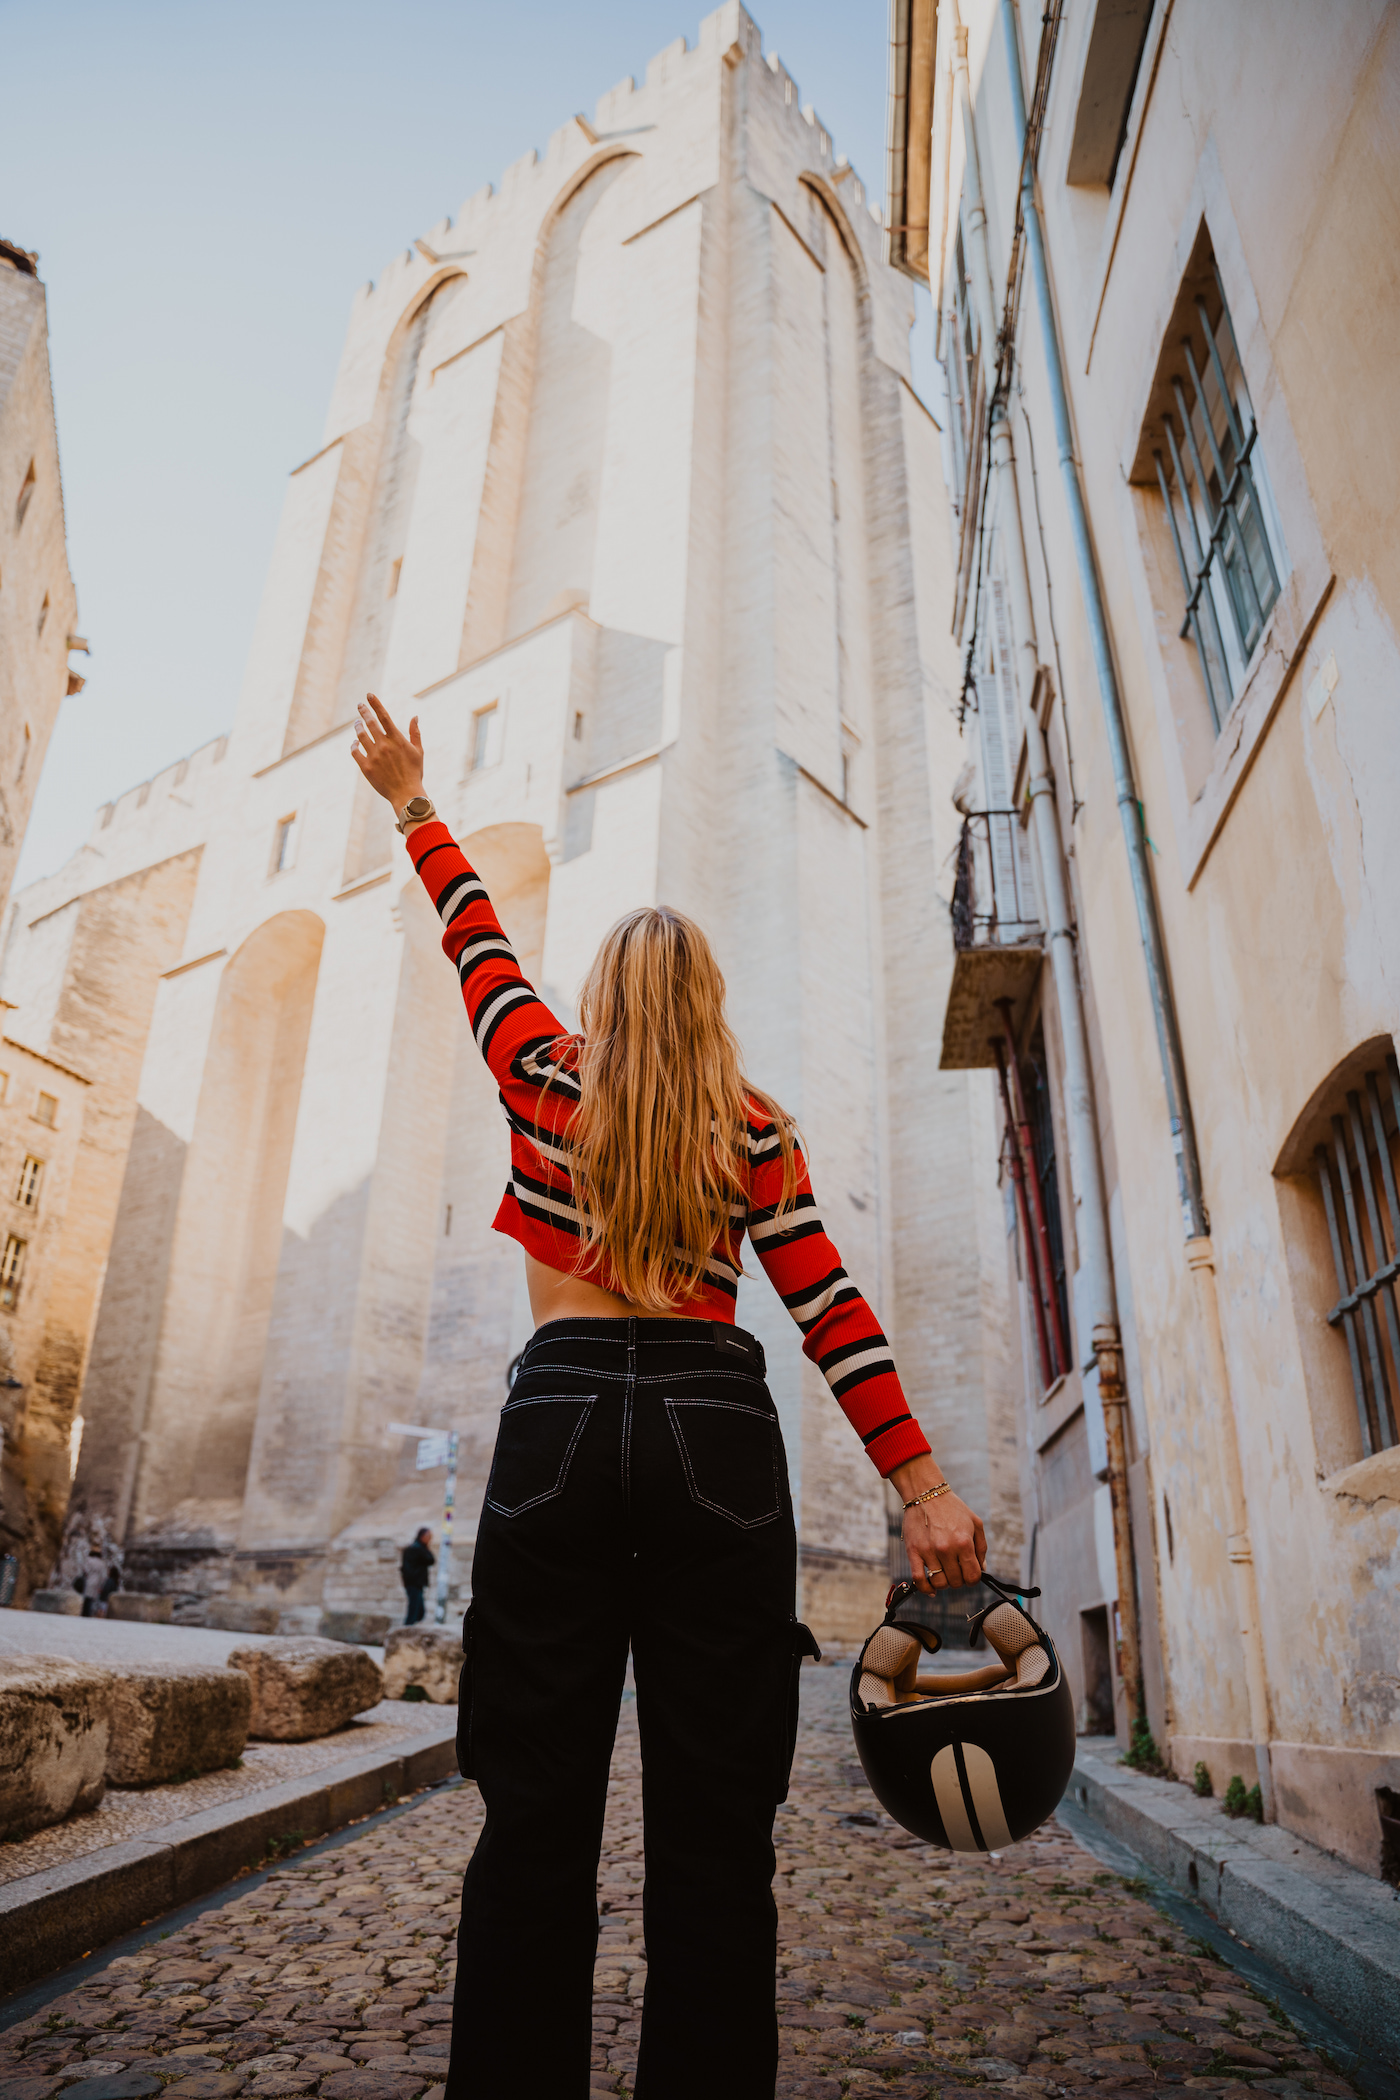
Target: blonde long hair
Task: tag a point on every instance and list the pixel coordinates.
(658, 1146)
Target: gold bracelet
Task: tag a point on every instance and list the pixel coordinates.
(944, 1487)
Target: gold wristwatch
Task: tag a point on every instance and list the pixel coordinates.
(417, 811)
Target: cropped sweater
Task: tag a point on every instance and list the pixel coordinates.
(533, 1061)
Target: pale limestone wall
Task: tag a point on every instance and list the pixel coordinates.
(34, 639)
(1277, 849)
(35, 1335)
(643, 474)
(97, 963)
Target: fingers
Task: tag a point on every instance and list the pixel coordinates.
(979, 1542)
(385, 718)
(413, 736)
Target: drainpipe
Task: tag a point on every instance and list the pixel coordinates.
(1046, 1268)
(1023, 1215)
(1200, 1256)
(1096, 1298)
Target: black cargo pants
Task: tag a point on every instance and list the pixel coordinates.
(638, 1495)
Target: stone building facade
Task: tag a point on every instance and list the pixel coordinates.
(43, 1329)
(1173, 522)
(38, 604)
(626, 492)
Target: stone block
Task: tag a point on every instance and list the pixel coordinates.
(144, 1609)
(53, 1740)
(65, 1601)
(366, 1628)
(430, 1656)
(237, 1615)
(305, 1688)
(173, 1720)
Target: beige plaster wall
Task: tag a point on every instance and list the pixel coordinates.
(1274, 855)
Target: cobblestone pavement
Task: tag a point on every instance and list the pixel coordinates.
(901, 1973)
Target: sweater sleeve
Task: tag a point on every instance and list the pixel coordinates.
(515, 1031)
(840, 1333)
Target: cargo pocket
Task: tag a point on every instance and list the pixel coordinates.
(802, 1644)
(464, 1694)
(730, 1455)
(535, 1445)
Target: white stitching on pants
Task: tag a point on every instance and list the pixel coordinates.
(732, 1407)
(587, 1401)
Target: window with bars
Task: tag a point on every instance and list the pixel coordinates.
(1210, 471)
(1358, 1171)
(11, 1270)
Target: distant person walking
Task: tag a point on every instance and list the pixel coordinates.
(417, 1564)
(93, 1587)
(639, 1494)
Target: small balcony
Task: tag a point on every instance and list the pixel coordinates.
(997, 937)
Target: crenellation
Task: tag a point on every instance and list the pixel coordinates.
(518, 172)
(610, 107)
(664, 67)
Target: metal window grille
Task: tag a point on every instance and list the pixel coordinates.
(1228, 569)
(1357, 1173)
(993, 894)
(11, 1270)
(27, 1191)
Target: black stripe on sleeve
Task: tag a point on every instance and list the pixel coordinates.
(894, 1422)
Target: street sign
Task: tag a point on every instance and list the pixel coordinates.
(434, 1450)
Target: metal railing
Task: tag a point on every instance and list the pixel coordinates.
(1356, 1172)
(993, 895)
(1224, 521)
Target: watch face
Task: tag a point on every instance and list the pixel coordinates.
(419, 806)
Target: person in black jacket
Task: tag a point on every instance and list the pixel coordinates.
(418, 1560)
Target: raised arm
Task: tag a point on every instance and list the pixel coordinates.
(843, 1338)
(514, 1029)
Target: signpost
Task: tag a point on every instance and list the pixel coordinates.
(437, 1447)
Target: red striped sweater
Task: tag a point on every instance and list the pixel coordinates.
(527, 1051)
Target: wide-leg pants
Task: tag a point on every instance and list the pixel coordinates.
(638, 1496)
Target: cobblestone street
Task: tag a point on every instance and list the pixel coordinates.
(900, 1974)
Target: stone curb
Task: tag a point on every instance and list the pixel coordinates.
(1331, 1931)
(54, 1917)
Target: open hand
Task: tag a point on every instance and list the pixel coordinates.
(391, 762)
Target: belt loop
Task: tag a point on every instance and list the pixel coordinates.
(632, 1346)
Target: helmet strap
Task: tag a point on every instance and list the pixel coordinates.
(1006, 1593)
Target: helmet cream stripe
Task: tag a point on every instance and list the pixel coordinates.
(986, 1796)
(948, 1793)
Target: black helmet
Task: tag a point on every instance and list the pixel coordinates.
(972, 1761)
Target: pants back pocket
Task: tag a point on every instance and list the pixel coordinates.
(730, 1456)
(535, 1445)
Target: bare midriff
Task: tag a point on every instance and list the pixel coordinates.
(556, 1295)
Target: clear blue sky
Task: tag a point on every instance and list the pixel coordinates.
(207, 185)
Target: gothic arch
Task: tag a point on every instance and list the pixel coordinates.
(570, 381)
(830, 200)
(228, 1235)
